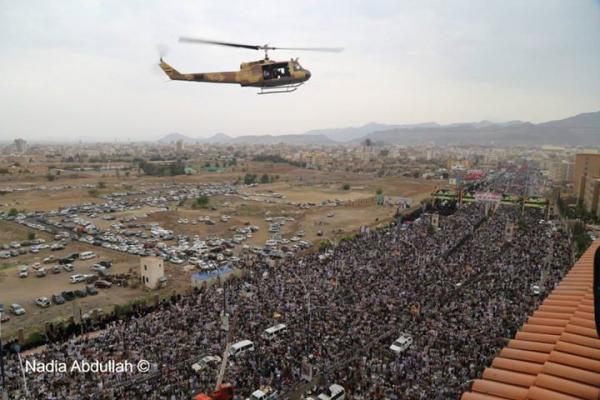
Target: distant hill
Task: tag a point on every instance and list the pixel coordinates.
(351, 133)
(580, 130)
(301, 139)
(218, 138)
(174, 137)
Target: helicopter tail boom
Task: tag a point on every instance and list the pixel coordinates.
(172, 72)
(215, 77)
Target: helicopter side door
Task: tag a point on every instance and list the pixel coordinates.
(276, 71)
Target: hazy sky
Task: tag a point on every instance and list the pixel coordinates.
(87, 69)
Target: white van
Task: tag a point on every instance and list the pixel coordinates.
(86, 255)
(274, 331)
(240, 347)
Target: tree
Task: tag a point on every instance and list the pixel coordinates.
(346, 186)
(379, 191)
(430, 229)
(202, 201)
(50, 177)
(249, 179)
(13, 212)
(368, 142)
(101, 185)
(325, 245)
(31, 236)
(264, 178)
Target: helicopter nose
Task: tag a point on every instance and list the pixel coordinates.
(307, 74)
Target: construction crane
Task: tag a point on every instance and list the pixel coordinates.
(223, 391)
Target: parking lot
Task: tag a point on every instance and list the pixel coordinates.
(274, 220)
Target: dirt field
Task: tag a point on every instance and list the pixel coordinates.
(262, 201)
(24, 291)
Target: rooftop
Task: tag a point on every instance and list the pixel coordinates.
(556, 354)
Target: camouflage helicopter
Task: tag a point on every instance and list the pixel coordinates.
(268, 75)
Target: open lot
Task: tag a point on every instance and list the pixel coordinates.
(327, 214)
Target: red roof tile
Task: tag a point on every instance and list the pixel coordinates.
(556, 354)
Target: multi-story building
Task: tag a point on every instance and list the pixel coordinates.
(591, 195)
(587, 167)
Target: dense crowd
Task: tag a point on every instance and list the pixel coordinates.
(459, 290)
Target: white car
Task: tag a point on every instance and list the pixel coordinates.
(23, 271)
(16, 309)
(402, 343)
(205, 362)
(535, 290)
(335, 392)
(43, 302)
(77, 278)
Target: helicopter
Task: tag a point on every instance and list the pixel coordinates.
(268, 75)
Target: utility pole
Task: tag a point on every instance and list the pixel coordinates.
(2, 376)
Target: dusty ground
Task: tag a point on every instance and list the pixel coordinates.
(296, 185)
(24, 291)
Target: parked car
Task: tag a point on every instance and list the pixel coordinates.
(206, 362)
(101, 270)
(16, 309)
(56, 269)
(23, 271)
(335, 392)
(4, 318)
(102, 284)
(91, 290)
(402, 343)
(43, 302)
(58, 299)
(40, 273)
(68, 295)
(81, 293)
(77, 278)
(68, 267)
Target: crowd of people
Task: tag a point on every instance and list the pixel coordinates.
(459, 290)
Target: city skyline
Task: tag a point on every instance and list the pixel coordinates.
(88, 71)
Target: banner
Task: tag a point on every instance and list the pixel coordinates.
(488, 197)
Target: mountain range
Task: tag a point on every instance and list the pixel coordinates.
(579, 130)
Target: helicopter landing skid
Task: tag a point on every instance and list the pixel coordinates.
(280, 89)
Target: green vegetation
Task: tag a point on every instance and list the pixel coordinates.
(93, 192)
(346, 186)
(50, 177)
(7, 265)
(379, 191)
(274, 158)
(430, 229)
(160, 169)
(36, 339)
(264, 178)
(202, 201)
(101, 185)
(249, 179)
(325, 245)
(3, 171)
(31, 235)
(576, 212)
(13, 212)
(581, 239)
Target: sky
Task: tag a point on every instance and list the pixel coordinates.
(87, 69)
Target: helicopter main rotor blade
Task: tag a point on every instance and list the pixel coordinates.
(323, 49)
(186, 39)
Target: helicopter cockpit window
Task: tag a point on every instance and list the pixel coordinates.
(297, 67)
(276, 71)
